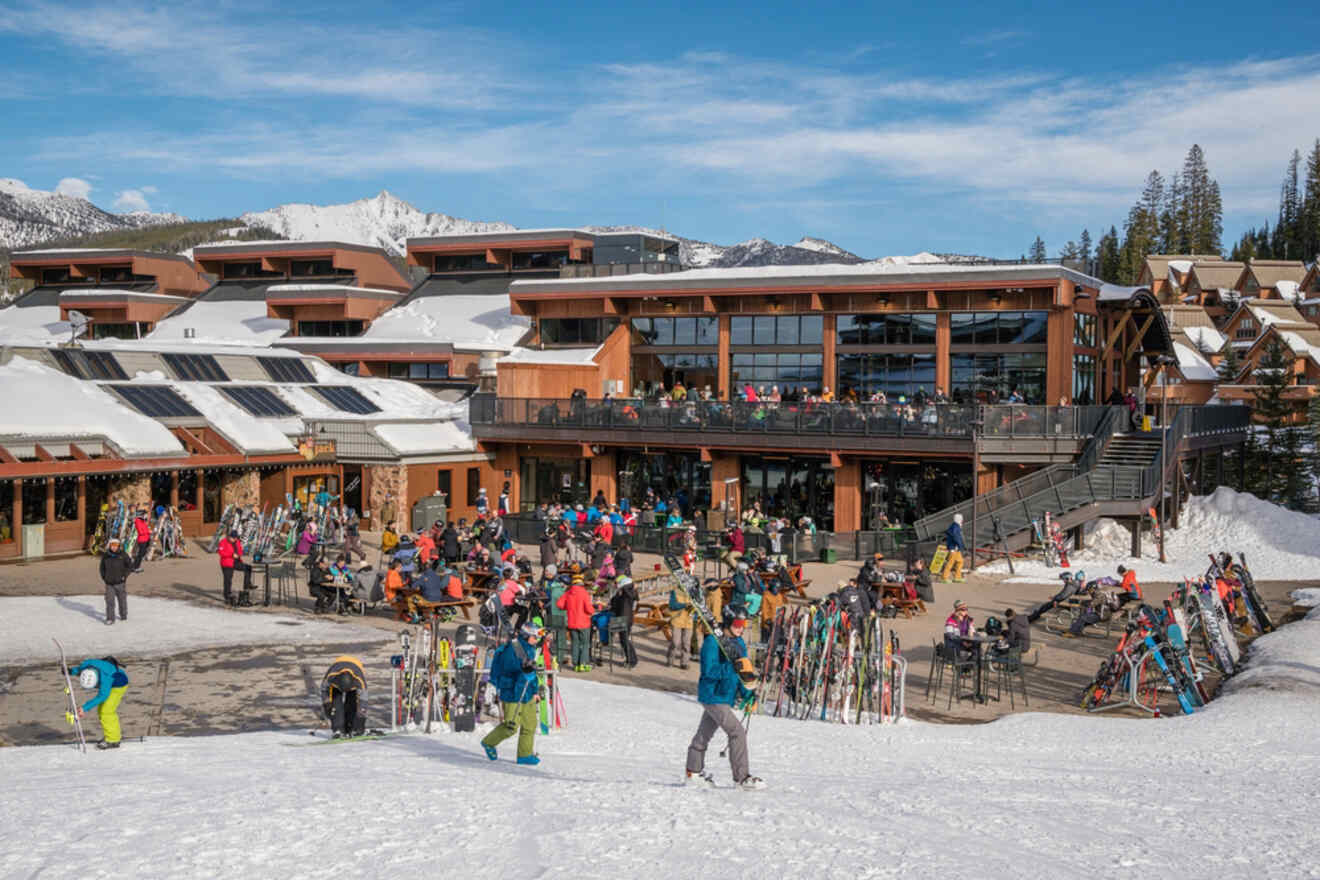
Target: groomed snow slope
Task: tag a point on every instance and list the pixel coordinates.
(1279, 544)
(1227, 793)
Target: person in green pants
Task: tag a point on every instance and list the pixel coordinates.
(513, 672)
(107, 677)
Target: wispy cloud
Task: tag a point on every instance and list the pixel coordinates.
(74, 186)
(994, 37)
(131, 200)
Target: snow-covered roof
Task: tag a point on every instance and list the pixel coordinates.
(32, 325)
(221, 322)
(571, 356)
(1288, 290)
(39, 401)
(119, 293)
(472, 322)
(1206, 337)
(247, 432)
(1182, 267)
(1194, 367)
(1118, 292)
(428, 437)
(1299, 346)
(329, 288)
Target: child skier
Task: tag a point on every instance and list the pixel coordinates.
(109, 680)
(513, 671)
(720, 688)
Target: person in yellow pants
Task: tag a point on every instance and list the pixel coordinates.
(108, 678)
(513, 671)
(953, 539)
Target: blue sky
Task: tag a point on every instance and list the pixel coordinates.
(886, 129)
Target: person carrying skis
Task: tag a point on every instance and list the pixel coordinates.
(576, 604)
(107, 677)
(142, 529)
(622, 606)
(115, 568)
(344, 697)
(720, 688)
(953, 540)
(513, 672)
(231, 560)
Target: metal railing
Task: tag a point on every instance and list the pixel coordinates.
(605, 270)
(1020, 420)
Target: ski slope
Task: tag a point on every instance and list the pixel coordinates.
(1228, 793)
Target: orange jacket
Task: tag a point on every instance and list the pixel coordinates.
(425, 548)
(393, 584)
(1130, 584)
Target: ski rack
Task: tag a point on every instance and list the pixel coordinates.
(1132, 697)
(396, 724)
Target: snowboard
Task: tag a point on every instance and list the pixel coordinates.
(334, 741)
(1156, 650)
(1174, 631)
(463, 708)
(76, 720)
(937, 561)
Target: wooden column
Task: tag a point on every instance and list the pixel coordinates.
(50, 501)
(174, 489)
(724, 467)
(82, 501)
(829, 375)
(604, 477)
(1058, 358)
(848, 496)
(17, 522)
(722, 365)
(943, 370)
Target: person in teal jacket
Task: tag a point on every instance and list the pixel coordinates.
(513, 671)
(109, 680)
(719, 689)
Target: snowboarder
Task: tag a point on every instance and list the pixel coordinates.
(107, 677)
(231, 559)
(721, 687)
(953, 539)
(513, 672)
(115, 568)
(344, 697)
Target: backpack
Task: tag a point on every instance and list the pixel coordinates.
(491, 610)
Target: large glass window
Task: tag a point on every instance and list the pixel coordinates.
(306, 268)
(212, 480)
(330, 328)
(1084, 330)
(34, 502)
(654, 374)
(777, 330)
(576, 331)
(790, 372)
(66, 499)
(188, 490)
(681, 477)
(115, 330)
(998, 328)
(696, 332)
(540, 260)
(790, 487)
(464, 263)
(992, 378)
(444, 482)
(473, 485)
(1083, 380)
(894, 374)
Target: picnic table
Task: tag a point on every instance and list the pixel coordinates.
(897, 595)
(799, 583)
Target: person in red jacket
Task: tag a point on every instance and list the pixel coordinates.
(576, 603)
(142, 530)
(605, 531)
(425, 549)
(231, 558)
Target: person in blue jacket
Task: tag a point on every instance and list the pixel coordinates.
(953, 540)
(720, 688)
(109, 680)
(513, 671)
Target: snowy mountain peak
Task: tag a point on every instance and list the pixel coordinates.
(29, 216)
(820, 245)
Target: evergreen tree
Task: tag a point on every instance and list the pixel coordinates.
(1294, 478)
(1070, 251)
(1245, 249)
(1273, 375)
(1200, 208)
(1309, 213)
(1173, 220)
(1288, 228)
(1084, 247)
(1038, 254)
(1230, 365)
(1141, 232)
(1264, 248)
(1313, 431)
(1107, 256)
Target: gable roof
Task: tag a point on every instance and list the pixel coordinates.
(1268, 273)
(1157, 265)
(1216, 274)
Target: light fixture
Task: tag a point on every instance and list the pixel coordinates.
(882, 301)
(996, 299)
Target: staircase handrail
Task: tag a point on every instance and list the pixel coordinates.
(1096, 443)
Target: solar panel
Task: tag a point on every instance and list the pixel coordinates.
(156, 401)
(258, 401)
(345, 398)
(286, 369)
(198, 367)
(89, 364)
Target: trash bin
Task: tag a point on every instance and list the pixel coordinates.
(829, 555)
(427, 510)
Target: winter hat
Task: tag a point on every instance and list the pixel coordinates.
(577, 580)
(551, 570)
(957, 517)
(959, 603)
(531, 632)
(481, 491)
(842, 584)
(623, 580)
(742, 566)
(112, 542)
(89, 678)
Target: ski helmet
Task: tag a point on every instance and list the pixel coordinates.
(532, 633)
(89, 678)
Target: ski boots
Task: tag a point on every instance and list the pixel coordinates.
(699, 780)
(490, 752)
(528, 760)
(103, 745)
(752, 783)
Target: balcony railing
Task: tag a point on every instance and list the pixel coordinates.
(832, 419)
(605, 270)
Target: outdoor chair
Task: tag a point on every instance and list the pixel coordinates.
(961, 666)
(1005, 668)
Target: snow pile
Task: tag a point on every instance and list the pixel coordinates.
(32, 325)
(45, 403)
(1286, 661)
(562, 356)
(232, 322)
(155, 627)
(1307, 596)
(1020, 798)
(1279, 544)
(422, 437)
(1206, 337)
(250, 434)
(466, 321)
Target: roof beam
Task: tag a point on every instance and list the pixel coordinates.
(42, 453)
(1141, 334)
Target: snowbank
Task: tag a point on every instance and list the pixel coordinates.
(155, 627)
(45, 403)
(32, 325)
(1029, 796)
(1279, 544)
(466, 321)
(225, 322)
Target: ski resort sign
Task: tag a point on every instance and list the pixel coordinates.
(316, 449)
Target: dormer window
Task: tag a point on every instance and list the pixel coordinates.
(306, 268)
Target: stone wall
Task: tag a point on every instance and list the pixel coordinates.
(134, 490)
(240, 487)
(389, 482)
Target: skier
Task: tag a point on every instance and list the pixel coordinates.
(344, 697)
(449, 543)
(576, 603)
(953, 539)
(855, 602)
(513, 671)
(680, 626)
(108, 678)
(142, 529)
(231, 559)
(115, 568)
(719, 689)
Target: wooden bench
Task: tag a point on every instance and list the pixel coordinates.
(896, 596)
(799, 583)
(654, 615)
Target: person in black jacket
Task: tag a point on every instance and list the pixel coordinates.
(921, 581)
(549, 554)
(623, 559)
(622, 606)
(449, 546)
(1018, 632)
(319, 580)
(856, 602)
(115, 569)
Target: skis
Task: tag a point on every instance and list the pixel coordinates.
(1055, 535)
(1156, 532)
(1046, 545)
(340, 740)
(72, 715)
